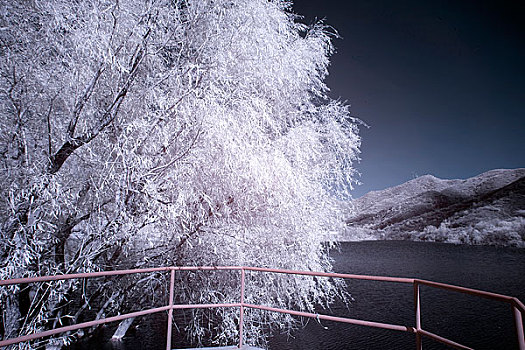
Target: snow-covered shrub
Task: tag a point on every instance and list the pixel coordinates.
(495, 231)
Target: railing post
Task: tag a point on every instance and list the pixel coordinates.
(519, 326)
(417, 306)
(241, 317)
(170, 311)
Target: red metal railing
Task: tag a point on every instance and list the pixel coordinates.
(517, 306)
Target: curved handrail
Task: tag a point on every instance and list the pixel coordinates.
(517, 305)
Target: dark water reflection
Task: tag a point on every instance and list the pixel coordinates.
(476, 322)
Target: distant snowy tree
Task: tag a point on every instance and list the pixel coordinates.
(146, 133)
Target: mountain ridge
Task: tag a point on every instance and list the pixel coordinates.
(485, 209)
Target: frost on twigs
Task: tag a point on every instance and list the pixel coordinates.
(158, 133)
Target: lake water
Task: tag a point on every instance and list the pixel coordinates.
(475, 322)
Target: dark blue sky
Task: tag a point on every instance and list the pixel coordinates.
(441, 84)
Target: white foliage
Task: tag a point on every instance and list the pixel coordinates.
(508, 231)
(203, 136)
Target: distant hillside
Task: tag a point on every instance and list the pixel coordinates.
(486, 209)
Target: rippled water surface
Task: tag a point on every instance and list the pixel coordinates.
(476, 322)
(473, 321)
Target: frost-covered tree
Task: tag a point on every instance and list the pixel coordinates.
(162, 132)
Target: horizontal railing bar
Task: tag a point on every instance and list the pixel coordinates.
(112, 319)
(204, 306)
(444, 340)
(331, 274)
(470, 291)
(80, 275)
(82, 325)
(113, 273)
(205, 268)
(334, 318)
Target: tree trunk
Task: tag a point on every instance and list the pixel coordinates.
(122, 329)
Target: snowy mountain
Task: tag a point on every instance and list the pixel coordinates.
(486, 209)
